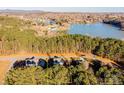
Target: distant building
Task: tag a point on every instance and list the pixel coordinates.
(52, 28)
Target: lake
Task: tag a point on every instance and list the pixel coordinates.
(97, 30)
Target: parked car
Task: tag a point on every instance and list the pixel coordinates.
(30, 63)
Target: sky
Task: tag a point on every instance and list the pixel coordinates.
(69, 9)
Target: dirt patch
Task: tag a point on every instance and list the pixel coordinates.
(65, 55)
(4, 65)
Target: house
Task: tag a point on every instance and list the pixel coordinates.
(51, 22)
(52, 28)
(58, 60)
(81, 59)
(30, 61)
(55, 61)
(77, 61)
(19, 64)
(42, 63)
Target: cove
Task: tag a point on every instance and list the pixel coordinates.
(97, 30)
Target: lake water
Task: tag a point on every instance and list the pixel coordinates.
(97, 30)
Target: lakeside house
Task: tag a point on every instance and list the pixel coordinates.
(55, 60)
(80, 60)
(30, 61)
(42, 63)
(58, 60)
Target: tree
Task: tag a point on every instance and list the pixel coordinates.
(110, 76)
(85, 78)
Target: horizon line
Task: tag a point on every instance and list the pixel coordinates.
(66, 9)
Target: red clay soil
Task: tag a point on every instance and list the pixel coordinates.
(66, 55)
(4, 65)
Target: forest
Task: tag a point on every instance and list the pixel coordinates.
(14, 41)
(65, 75)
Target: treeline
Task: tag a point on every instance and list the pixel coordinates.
(61, 75)
(15, 41)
